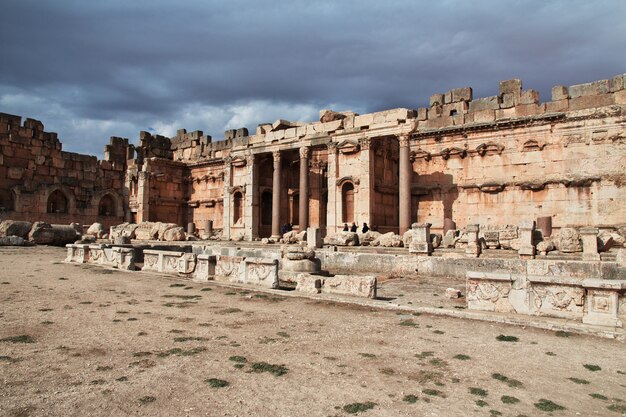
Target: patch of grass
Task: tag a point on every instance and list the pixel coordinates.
(46, 309)
(503, 338)
(283, 334)
(592, 368)
(437, 362)
(579, 381)
(122, 379)
(182, 297)
(142, 334)
(190, 339)
(481, 403)
(416, 314)
(18, 339)
(147, 400)
(182, 304)
(434, 393)
(229, 310)
(598, 396)
(425, 354)
(276, 370)
(547, 405)
(230, 293)
(478, 391)
(408, 323)
(177, 285)
(104, 368)
(85, 302)
(410, 398)
(47, 322)
(509, 400)
(238, 359)
(550, 353)
(132, 319)
(462, 357)
(438, 332)
(7, 359)
(387, 371)
(97, 382)
(181, 352)
(176, 331)
(206, 289)
(494, 413)
(141, 354)
(367, 355)
(267, 340)
(618, 408)
(217, 383)
(561, 333)
(62, 279)
(188, 288)
(513, 383)
(356, 408)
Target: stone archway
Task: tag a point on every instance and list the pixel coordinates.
(57, 202)
(347, 202)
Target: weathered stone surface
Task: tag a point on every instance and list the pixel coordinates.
(450, 239)
(568, 240)
(14, 241)
(86, 239)
(45, 234)
(97, 230)
(367, 238)
(436, 239)
(174, 234)
(388, 240)
(407, 238)
(296, 253)
(342, 239)
(545, 246)
(261, 272)
(360, 286)
(146, 231)
(294, 237)
(15, 228)
(330, 116)
(453, 293)
(314, 238)
(121, 240)
(124, 229)
(310, 284)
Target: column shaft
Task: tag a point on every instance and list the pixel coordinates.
(276, 196)
(304, 189)
(406, 174)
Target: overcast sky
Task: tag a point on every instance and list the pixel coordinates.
(89, 70)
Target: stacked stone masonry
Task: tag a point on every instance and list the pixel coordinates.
(492, 161)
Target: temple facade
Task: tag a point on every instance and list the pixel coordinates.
(496, 160)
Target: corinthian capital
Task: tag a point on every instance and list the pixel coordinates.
(403, 140)
(304, 152)
(276, 156)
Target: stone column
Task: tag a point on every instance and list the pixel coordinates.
(251, 220)
(406, 175)
(527, 247)
(143, 195)
(363, 199)
(473, 245)
(421, 243)
(589, 237)
(227, 197)
(304, 189)
(276, 196)
(332, 209)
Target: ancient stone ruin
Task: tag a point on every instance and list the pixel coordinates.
(525, 198)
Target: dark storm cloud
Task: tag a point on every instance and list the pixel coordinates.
(89, 69)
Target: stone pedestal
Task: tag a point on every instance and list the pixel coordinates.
(589, 237)
(603, 302)
(473, 246)
(191, 229)
(527, 247)
(208, 227)
(314, 237)
(448, 224)
(421, 239)
(545, 225)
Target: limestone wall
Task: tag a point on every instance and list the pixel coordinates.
(39, 181)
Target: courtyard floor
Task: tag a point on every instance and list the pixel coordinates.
(80, 340)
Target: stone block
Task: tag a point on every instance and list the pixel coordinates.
(529, 97)
(355, 285)
(261, 272)
(588, 89)
(509, 100)
(205, 268)
(555, 296)
(589, 238)
(620, 97)
(618, 83)
(473, 246)
(227, 268)
(560, 92)
(511, 86)
(462, 94)
(307, 283)
(436, 100)
(314, 237)
(591, 101)
(484, 116)
(15, 228)
(488, 291)
(486, 103)
(420, 239)
(557, 106)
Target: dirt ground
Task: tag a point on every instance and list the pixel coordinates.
(78, 340)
